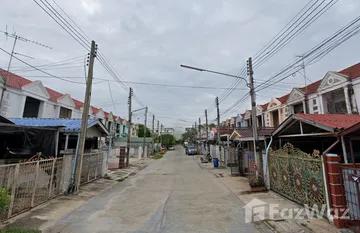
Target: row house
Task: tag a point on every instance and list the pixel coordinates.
(337, 93)
(31, 99)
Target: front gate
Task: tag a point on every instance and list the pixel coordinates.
(297, 175)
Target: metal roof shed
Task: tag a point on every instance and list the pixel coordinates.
(69, 128)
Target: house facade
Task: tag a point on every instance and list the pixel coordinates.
(23, 98)
(336, 93)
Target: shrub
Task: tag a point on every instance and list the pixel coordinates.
(4, 199)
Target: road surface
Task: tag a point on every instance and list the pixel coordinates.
(173, 194)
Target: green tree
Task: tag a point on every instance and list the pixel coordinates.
(212, 125)
(189, 135)
(141, 131)
(166, 139)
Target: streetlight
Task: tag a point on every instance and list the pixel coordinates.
(215, 72)
(250, 85)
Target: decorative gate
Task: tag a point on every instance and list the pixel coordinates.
(297, 175)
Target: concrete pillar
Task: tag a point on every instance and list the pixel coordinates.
(304, 106)
(321, 105)
(21, 106)
(347, 100)
(336, 189)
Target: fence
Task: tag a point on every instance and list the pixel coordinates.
(351, 182)
(30, 184)
(93, 166)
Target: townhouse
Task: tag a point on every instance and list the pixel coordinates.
(336, 93)
(25, 98)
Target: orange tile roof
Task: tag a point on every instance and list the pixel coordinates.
(283, 99)
(54, 95)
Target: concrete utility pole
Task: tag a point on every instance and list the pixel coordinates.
(218, 122)
(199, 127)
(144, 141)
(152, 134)
(207, 132)
(253, 114)
(85, 115)
(129, 128)
(161, 129)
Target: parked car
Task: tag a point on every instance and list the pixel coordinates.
(171, 148)
(190, 150)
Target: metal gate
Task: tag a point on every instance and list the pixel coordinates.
(351, 181)
(297, 175)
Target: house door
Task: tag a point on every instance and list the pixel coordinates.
(297, 175)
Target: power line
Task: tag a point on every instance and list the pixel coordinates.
(40, 69)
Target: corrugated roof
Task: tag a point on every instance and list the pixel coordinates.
(335, 121)
(69, 124)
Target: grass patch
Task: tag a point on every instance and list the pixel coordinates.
(18, 230)
(118, 180)
(158, 155)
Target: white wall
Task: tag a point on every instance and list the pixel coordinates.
(50, 110)
(13, 105)
(77, 114)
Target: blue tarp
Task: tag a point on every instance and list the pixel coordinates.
(72, 125)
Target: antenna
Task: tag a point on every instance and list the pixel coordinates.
(24, 55)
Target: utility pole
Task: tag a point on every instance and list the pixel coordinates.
(129, 128)
(207, 132)
(199, 127)
(161, 129)
(218, 123)
(144, 142)
(196, 131)
(152, 134)
(85, 115)
(253, 114)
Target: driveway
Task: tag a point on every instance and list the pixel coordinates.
(173, 194)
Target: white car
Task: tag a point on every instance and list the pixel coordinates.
(171, 148)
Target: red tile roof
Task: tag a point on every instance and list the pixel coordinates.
(54, 95)
(352, 71)
(78, 104)
(311, 88)
(335, 121)
(14, 80)
(264, 106)
(95, 110)
(283, 99)
(106, 114)
(242, 115)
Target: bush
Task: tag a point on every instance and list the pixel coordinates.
(4, 199)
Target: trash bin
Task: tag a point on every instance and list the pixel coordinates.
(216, 162)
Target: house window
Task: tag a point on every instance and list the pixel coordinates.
(335, 102)
(315, 108)
(32, 107)
(314, 101)
(316, 113)
(65, 112)
(298, 108)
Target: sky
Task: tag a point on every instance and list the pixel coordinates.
(147, 40)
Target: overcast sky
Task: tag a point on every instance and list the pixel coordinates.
(147, 40)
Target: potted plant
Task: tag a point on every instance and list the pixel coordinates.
(257, 184)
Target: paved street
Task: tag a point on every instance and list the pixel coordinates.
(172, 194)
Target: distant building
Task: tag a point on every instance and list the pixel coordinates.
(168, 131)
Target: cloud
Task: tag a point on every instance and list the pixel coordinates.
(146, 41)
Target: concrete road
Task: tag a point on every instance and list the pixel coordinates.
(172, 194)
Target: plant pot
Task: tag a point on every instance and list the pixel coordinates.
(257, 189)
